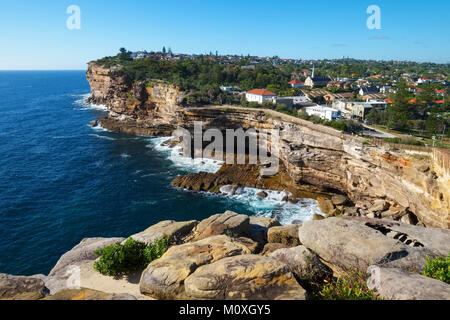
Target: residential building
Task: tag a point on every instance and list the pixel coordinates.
(317, 81)
(259, 95)
(297, 84)
(368, 90)
(322, 112)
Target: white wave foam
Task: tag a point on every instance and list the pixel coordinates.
(125, 155)
(83, 101)
(101, 137)
(185, 163)
(274, 207)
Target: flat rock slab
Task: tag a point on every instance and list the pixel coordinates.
(175, 231)
(434, 239)
(305, 264)
(352, 243)
(396, 284)
(164, 278)
(245, 277)
(21, 288)
(88, 294)
(69, 262)
(230, 223)
(287, 235)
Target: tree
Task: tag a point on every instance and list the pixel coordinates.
(164, 50)
(124, 55)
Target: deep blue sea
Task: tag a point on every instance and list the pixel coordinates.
(62, 181)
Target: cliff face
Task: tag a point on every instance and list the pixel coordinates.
(324, 157)
(149, 108)
(311, 154)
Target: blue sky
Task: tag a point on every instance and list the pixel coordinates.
(34, 33)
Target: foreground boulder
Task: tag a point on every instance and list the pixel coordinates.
(355, 243)
(396, 284)
(175, 231)
(259, 226)
(88, 294)
(60, 276)
(229, 223)
(164, 278)
(303, 263)
(21, 288)
(245, 277)
(287, 235)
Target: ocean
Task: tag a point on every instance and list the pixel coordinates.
(62, 180)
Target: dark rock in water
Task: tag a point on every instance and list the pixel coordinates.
(285, 199)
(94, 123)
(294, 201)
(262, 194)
(296, 222)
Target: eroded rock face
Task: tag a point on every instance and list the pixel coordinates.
(287, 235)
(164, 278)
(88, 294)
(348, 242)
(230, 223)
(305, 264)
(244, 277)
(21, 288)
(310, 154)
(175, 231)
(396, 284)
(67, 264)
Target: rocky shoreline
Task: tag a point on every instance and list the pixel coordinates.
(231, 256)
(378, 181)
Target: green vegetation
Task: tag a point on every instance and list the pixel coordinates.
(438, 268)
(132, 256)
(415, 115)
(350, 287)
(202, 77)
(409, 141)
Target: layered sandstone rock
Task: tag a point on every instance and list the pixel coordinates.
(310, 154)
(244, 277)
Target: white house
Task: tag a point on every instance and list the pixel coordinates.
(259, 95)
(297, 84)
(322, 112)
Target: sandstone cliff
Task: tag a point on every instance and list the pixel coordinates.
(382, 181)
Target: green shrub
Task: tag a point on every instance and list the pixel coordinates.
(438, 268)
(408, 141)
(350, 287)
(132, 256)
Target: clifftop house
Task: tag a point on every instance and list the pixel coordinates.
(259, 95)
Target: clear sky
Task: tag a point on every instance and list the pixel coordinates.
(34, 34)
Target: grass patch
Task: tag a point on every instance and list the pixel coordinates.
(132, 256)
(407, 141)
(350, 287)
(438, 268)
